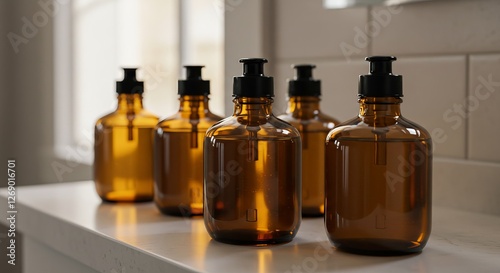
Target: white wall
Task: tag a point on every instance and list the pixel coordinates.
(247, 34)
(445, 50)
(3, 85)
(27, 119)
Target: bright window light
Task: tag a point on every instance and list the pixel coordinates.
(96, 38)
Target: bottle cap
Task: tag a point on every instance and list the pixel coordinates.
(193, 85)
(380, 82)
(304, 84)
(129, 85)
(253, 83)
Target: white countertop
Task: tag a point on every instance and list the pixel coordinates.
(70, 218)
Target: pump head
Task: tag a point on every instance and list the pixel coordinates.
(253, 83)
(130, 84)
(304, 84)
(380, 82)
(193, 85)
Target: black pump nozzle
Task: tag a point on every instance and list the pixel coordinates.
(253, 66)
(130, 84)
(193, 85)
(380, 82)
(193, 72)
(253, 83)
(304, 71)
(129, 73)
(304, 84)
(381, 64)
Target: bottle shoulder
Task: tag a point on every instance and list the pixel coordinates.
(141, 118)
(392, 129)
(319, 122)
(108, 117)
(146, 115)
(179, 122)
(233, 127)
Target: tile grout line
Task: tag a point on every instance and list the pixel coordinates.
(326, 59)
(467, 93)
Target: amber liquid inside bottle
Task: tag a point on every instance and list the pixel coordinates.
(378, 182)
(252, 177)
(124, 152)
(178, 157)
(304, 114)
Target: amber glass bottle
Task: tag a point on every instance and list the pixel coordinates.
(178, 152)
(252, 168)
(378, 172)
(123, 162)
(304, 114)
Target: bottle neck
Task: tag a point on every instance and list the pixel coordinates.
(189, 104)
(303, 107)
(379, 107)
(130, 102)
(193, 108)
(252, 111)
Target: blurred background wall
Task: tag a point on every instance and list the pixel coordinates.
(448, 53)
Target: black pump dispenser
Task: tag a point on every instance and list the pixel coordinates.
(380, 82)
(130, 84)
(304, 84)
(193, 85)
(253, 83)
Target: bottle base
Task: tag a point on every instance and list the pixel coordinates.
(112, 195)
(181, 211)
(378, 247)
(136, 199)
(312, 212)
(252, 237)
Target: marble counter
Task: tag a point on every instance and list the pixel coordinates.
(70, 219)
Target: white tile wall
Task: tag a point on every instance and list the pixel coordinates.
(306, 29)
(340, 87)
(431, 86)
(441, 27)
(443, 48)
(484, 109)
(467, 185)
